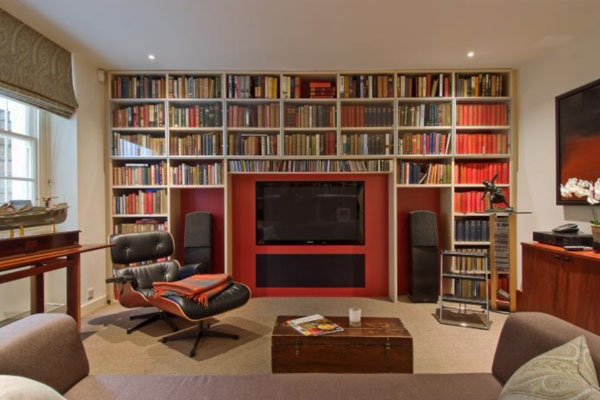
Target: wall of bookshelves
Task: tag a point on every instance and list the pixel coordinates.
(171, 131)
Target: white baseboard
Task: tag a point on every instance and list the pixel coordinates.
(93, 305)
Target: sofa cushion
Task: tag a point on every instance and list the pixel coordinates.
(20, 388)
(289, 387)
(566, 372)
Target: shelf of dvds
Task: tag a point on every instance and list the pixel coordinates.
(357, 122)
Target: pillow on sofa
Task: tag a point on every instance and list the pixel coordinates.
(566, 372)
(20, 388)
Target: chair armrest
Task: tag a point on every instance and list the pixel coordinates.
(119, 279)
(46, 348)
(193, 269)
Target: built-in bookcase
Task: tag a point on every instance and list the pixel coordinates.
(192, 130)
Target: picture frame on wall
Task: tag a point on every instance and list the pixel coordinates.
(577, 137)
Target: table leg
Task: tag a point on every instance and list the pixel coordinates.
(73, 289)
(36, 292)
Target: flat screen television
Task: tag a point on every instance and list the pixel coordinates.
(310, 213)
(577, 137)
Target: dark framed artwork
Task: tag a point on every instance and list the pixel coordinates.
(577, 137)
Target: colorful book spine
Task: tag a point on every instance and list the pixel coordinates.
(429, 85)
(367, 115)
(352, 166)
(137, 87)
(137, 145)
(194, 87)
(473, 201)
(427, 114)
(482, 114)
(252, 144)
(140, 202)
(140, 116)
(482, 85)
(469, 264)
(366, 86)
(255, 115)
(310, 116)
(482, 143)
(196, 144)
(477, 172)
(196, 116)
(472, 230)
(411, 173)
(424, 143)
(141, 225)
(366, 143)
(197, 174)
(310, 144)
(252, 87)
(134, 174)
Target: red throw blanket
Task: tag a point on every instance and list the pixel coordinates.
(199, 288)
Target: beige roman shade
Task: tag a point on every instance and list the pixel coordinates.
(34, 69)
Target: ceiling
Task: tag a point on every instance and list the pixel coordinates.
(307, 34)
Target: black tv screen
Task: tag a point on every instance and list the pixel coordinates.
(310, 213)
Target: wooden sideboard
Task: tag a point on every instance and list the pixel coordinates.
(562, 283)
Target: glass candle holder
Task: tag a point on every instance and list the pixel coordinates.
(354, 316)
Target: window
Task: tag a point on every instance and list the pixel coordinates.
(19, 130)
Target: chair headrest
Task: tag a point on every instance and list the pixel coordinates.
(143, 246)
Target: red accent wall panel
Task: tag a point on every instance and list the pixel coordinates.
(212, 201)
(376, 236)
(410, 199)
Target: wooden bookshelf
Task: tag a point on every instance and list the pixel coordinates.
(217, 94)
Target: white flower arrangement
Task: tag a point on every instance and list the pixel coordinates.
(582, 188)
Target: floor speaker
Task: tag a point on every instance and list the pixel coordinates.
(197, 240)
(424, 284)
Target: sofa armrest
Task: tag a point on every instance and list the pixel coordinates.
(526, 335)
(46, 348)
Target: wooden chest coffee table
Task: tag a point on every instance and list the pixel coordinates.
(379, 345)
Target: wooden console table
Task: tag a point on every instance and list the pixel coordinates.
(14, 255)
(562, 283)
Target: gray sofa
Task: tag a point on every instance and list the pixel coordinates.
(47, 348)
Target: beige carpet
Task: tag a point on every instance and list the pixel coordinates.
(437, 348)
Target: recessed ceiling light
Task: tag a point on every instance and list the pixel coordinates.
(151, 57)
(471, 54)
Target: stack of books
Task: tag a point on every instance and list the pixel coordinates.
(366, 86)
(250, 144)
(321, 90)
(255, 115)
(367, 115)
(482, 114)
(472, 230)
(429, 114)
(194, 87)
(206, 144)
(366, 143)
(199, 174)
(196, 116)
(140, 202)
(252, 87)
(138, 174)
(430, 143)
(303, 144)
(482, 85)
(142, 115)
(424, 173)
(138, 87)
(477, 172)
(481, 143)
(429, 85)
(310, 116)
(141, 225)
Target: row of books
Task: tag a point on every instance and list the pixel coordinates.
(428, 114)
(141, 115)
(310, 116)
(197, 174)
(482, 85)
(301, 144)
(477, 172)
(253, 115)
(140, 225)
(140, 202)
(309, 166)
(196, 116)
(470, 265)
(140, 174)
(194, 87)
(252, 144)
(291, 87)
(482, 114)
(481, 143)
(137, 145)
(137, 87)
(472, 201)
(424, 143)
(206, 144)
(424, 173)
(366, 86)
(472, 230)
(252, 87)
(429, 85)
(367, 115)
(366, 143)
(469, 289)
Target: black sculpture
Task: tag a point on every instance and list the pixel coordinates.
(496, 195)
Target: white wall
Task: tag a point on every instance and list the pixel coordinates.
(575, 63)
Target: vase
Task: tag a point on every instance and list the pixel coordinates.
(596, 237)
